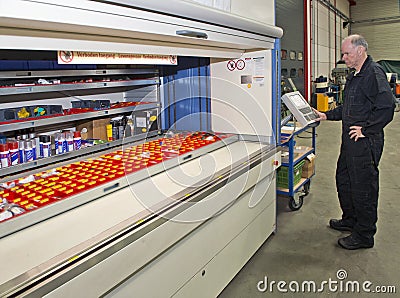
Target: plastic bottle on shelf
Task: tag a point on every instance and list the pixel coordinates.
(69, 138)
(35, 143)
(109, 129)
(34, 156)
(115, 130)
(14, 152)
(45, 146)
(32, 137)
(28, 151)
(4, 155)
(64, 142)
(55, 136)
(77, 140)
(130, 129)
(2, 141)
(60, 143)
(21, 151)
(121, 128)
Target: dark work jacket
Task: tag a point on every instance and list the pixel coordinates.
(368, 101)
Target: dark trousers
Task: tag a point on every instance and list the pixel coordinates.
(357, 183)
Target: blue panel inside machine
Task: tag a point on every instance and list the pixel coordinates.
(13, 65)
(186, 100)
(276, 90)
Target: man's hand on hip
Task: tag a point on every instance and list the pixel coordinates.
(355, 133)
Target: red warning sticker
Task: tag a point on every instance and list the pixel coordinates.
(236, 64)
(231, 65)
(240, 64)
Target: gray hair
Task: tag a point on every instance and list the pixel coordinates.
(357, 40)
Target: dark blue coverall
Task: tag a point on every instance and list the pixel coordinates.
(369, 103)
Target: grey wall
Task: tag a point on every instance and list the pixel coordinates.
(379, 23)
(327, 34)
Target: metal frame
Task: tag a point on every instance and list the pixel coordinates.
(49, 276)
(73, 117)
(41, 162)
(73, 86)
(276, 90)
(21, 74)
(30, 218)
(119, 29)
(290, 143)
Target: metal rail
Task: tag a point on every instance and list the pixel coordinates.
(47, 277)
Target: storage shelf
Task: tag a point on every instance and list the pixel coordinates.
(32, 122)
(299, 158)
(21, 74)
(285, 191)
(45, 212)
(70, 155)
(74, 86)
(294, 157)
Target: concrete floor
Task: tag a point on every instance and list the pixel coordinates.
(305, 249)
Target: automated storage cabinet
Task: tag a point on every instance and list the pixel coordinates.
(177, 206)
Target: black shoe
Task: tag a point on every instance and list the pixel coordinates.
(354, 242)
(340, 225)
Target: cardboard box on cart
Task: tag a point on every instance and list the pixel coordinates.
(309, 166)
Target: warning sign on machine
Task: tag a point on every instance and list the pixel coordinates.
(78, 57)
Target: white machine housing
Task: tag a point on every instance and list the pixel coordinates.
(146, 238)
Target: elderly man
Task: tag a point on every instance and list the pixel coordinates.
(368, 107)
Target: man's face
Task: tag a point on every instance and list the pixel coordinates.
(350, 54)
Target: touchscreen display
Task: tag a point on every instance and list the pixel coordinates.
(297, 100)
